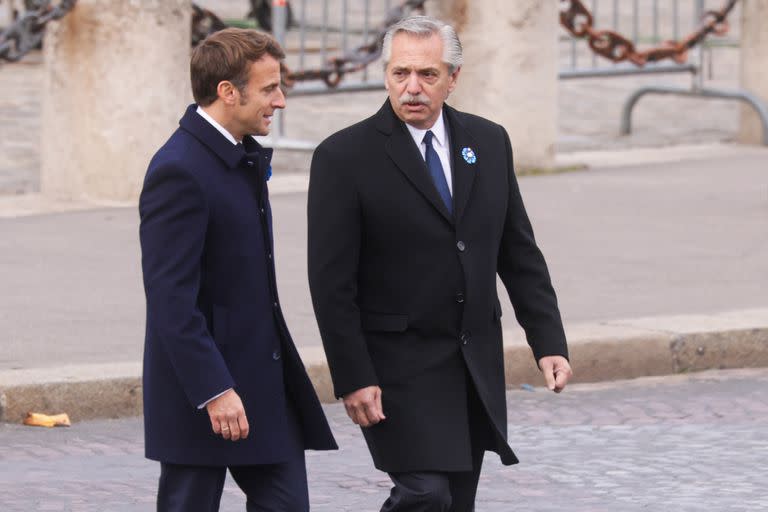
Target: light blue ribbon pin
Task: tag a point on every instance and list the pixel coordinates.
(469, 155)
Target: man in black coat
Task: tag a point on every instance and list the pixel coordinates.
(223, 383)
(412, 213)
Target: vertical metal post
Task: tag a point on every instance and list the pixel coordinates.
(675, 19)
(279, 20)
(594, 14)
(303, 34)
(635, 20)
(616, 15)
(655, 21)
(275, 139)
(698, 78)
(344, 25)
(366, 22)
(324, 33)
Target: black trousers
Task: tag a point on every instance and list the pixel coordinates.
(267, 487)
(445, 491)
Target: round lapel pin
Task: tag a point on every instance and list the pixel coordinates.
(469, 155)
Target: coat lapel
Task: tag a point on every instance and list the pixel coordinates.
(463, 171)
(403, 151)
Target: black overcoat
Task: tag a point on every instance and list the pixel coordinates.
(405, 293)
(213, 314)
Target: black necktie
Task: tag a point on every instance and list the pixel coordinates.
(436, 171)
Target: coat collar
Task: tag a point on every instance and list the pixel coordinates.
(210, 137)
(406, 156)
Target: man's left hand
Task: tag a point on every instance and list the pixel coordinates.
(557, 371)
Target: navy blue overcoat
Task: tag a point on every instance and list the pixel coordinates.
(213, 313)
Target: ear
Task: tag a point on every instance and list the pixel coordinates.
(452, 79)
(227, 92)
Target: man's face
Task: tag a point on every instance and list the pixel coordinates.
(260, 98)
(417, 79)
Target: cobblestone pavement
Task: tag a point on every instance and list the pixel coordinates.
(682, 443)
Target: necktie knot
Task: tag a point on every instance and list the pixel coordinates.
(428, 137)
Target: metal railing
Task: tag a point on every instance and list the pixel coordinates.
(649, 23)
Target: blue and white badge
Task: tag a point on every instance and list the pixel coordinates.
(268, 174)
(469, 155)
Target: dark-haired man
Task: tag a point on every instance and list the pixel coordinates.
(223, 383)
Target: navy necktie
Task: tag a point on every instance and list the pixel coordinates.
(436, 171)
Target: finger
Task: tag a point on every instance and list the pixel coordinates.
(371, 413)
(351, 413)
(234, 429)
(244, 427)
(361, 417)
(379, 406)
(216, 426)
(561, 379)
(549, 377)
(226, 430)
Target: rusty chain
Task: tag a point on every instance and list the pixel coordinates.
(205, 22)
(26, 32)
(578, 20)
(359, 58)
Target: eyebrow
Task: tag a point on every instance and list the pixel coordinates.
(419, 70)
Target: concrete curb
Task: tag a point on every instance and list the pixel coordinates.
(605, 351)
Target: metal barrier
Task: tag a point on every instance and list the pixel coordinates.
(324, 29)
(319, 35)
(666, 19)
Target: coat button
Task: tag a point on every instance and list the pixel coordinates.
(461, 246)
(275, 305)
(465, 337)
(269, 256)
(276, 355)
(460, 298)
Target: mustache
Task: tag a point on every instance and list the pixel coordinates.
(420, 99)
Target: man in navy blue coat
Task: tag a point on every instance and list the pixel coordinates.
(224, 386)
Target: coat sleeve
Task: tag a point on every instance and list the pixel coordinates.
(334, 229)
(174, 217)
(524, 273)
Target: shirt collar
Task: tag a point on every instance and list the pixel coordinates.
(216, 125)
(438, 131)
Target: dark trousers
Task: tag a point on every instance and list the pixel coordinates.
(445, 491)
(267, 487)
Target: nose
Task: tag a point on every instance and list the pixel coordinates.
(279, 101)
(413, 86)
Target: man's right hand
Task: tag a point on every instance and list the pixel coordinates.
(228, 416)
(364, 406)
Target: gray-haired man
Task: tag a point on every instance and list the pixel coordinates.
(412, 213)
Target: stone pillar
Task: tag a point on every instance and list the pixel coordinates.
(510, 73)
(116, 83)
(754, 65)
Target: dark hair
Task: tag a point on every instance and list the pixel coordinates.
(228, 55)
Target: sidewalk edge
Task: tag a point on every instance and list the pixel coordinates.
(594, 360)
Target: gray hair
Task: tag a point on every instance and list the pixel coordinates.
(425, 26)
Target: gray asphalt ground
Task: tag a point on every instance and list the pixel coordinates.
(683, 443)
(628, 241)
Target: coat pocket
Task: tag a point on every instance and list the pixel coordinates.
(383, 322)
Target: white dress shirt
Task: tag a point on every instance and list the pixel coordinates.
(439, 142)
(216, 125)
